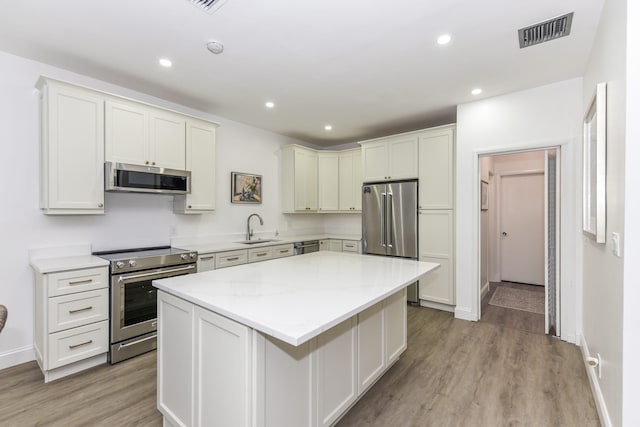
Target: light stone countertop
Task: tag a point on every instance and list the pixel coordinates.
(297, 298)
(52, 265)
(223, 246)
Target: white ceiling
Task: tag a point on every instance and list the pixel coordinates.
(369, 68)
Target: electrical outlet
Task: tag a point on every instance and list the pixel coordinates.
(599, 366)
(615, 243)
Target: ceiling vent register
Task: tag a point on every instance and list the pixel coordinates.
(208, 6)
(545, 31)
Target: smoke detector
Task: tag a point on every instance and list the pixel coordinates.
(545, 31)
(208, 6)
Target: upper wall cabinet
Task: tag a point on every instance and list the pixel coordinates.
(328, 181)
(436, 168)
(390, 158)
(201, 161)
(350, 175)
(143, 135)
(72, 149)
(299, 179)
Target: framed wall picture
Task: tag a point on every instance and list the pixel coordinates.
(594, 166)
(246, 188)
(484, 195)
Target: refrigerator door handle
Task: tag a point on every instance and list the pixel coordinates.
(383, 229)
(389, 219)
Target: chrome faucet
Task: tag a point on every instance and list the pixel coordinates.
(250, 230)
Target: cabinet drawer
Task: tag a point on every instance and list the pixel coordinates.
(228, 259)
(69, 282)
(206, 262)
(281, 251)
(350, 246)
(70, 311)
(79, 343)
(260, 254)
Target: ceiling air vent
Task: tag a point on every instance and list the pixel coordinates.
(545, 31)
(208, 6)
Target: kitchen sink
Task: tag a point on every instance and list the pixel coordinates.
(253, 242)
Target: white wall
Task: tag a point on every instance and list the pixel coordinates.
(541, 117)
(130, 220)
(603, 272)
(631, 250)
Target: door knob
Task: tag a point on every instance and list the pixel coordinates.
(504, 234)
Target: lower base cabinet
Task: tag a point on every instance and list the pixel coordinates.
(213, 371)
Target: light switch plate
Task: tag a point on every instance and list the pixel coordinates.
(615, 243)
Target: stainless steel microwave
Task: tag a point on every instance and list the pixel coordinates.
(131, 178)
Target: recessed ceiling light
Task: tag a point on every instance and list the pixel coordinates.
(215, 47)
(444, 39)
(328, 127)
(165, 62)
(476, 91)
(269, 104)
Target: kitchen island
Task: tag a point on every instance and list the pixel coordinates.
(291, 342)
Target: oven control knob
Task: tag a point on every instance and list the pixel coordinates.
(132, 263)
(119, 264)
(183, 257)
(193, 256)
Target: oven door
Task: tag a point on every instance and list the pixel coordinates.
(133, 301)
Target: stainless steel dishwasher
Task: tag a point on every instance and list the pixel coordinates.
(306, 247)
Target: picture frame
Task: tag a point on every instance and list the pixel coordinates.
(246, 188)
(484, 195)
(594, 166)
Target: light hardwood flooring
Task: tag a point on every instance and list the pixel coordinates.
(516, 319)
(454, 373)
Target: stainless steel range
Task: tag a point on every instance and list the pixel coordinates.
(133, 328)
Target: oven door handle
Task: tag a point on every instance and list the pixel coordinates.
(156, 274)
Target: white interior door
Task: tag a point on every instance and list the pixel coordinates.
(522, 228)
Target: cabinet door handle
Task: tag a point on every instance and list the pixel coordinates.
(284, 251)
(100, 205)
(206, 258)
(235, 258)
(261, 254)
(81, 282)
(71, 347)
(78, 310)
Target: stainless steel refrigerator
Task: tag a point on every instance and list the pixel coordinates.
(390, 222)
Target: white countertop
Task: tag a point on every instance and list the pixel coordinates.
(52, 265)
(295, 299)
(221, 246)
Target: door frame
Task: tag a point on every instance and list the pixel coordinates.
(568, 269)
(499, 208)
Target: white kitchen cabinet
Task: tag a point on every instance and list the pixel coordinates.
(436, 168)
(206, 262)
(71, 328)
(328, 181)
(230, 405)
(281, 251)
(334, 245)
(201, 161)
(390, 158)
(336, 367)
(231, 258)
(371, 346)
(299, 179)
(395, 326)
(324, 245)
(259, 254)
(71, 149)
(143, 135)
(350, 175)
(351, 246)
(435, 244)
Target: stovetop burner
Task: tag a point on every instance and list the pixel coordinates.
(135, 259)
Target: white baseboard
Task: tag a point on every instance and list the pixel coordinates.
(16, 357)
(592, 374)
(437, 306)
(465, 313)
(484, 290)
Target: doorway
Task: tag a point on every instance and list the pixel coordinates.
(518, 240)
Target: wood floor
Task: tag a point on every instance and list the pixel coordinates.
(454, 373)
